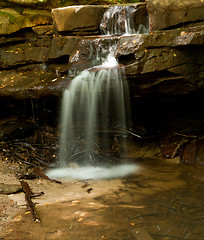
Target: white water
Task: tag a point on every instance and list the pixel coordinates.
(90, 172)
(94, 99)
(120, 20)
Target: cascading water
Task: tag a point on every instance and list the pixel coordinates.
(95, 102)
(118, 20)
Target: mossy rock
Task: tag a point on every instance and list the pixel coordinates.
(12, 20)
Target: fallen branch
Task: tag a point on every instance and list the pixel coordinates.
(38, 159)
(131, 133)
(30, 204)
(181, 144)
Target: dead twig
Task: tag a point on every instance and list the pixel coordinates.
(184, 135)
(38, 159)
(181, 144)
(28, 195)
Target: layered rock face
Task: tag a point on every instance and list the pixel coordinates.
(167, 61)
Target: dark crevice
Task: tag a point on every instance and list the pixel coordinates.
(12, 43)
(15, 67)
(59, 60)
(20, 33)
(127, 59)
(183, 24)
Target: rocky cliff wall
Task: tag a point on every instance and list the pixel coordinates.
(32, 50)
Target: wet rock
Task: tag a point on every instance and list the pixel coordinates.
(12, 20)
(78, 19)
(114, 20)
(169, 13)
(141, 234)
(9, 188)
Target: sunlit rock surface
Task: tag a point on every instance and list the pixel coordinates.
(12, 20)
(78, 19)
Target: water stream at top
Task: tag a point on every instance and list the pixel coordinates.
(95, 104)
(120, 20)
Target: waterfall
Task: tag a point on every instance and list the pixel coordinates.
(93, 103)
(96, 105)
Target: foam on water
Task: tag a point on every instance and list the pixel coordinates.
(90, 172)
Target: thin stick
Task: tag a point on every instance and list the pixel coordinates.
(28, 195)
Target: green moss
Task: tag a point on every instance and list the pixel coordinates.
(11, 17)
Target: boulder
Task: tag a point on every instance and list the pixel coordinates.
(78, 19)
(12, 20)
(170, 13)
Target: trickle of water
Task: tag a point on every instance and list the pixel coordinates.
(120, 20)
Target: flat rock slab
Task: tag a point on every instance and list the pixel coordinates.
(76, 18)
(9, 188)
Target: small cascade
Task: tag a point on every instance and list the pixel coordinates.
(121, 20)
